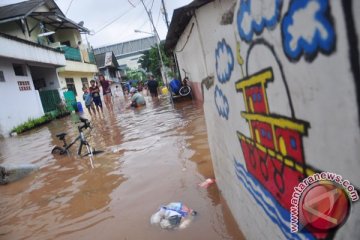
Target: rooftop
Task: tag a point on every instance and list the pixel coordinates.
(54, 17)
(180, 19)
(126, 48)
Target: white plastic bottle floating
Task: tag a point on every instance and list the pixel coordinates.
(175, 215)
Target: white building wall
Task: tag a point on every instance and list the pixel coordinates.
(19, 50)
(315, 86)
(16, 106)
(186, 49)
(77, 80)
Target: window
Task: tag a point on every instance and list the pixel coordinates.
(293, 143)
(85, 82)
(39, 83)
(71, 85)
(67, 43)
(2, 78)
(19, 69)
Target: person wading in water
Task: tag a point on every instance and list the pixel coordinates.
(105, 84)
(153, 86)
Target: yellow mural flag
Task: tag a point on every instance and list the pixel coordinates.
(240, 60)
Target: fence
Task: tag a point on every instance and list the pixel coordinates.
(71, 53)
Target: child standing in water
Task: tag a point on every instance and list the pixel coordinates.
(95, 93)
(88, 100)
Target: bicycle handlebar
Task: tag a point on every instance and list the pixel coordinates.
(86, 124)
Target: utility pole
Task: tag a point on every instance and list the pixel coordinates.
(165, 13)
(176, 67)
(158, 43)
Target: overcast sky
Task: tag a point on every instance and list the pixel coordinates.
(96, 14)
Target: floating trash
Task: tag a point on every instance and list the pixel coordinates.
(207, 183)
(175, 215)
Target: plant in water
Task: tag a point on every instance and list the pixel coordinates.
(32, 123)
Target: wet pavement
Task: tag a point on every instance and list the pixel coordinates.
(153, 156)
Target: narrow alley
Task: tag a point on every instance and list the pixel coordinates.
(153, 156)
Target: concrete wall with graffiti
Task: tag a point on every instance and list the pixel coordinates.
(280, 86)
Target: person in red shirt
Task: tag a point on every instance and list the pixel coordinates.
(105, 84)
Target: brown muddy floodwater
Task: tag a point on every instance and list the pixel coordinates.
(153, 156)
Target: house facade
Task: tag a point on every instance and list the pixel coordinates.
(128, 53)
(20, 62)
(108, 66)
(41, 54)
(280, 86)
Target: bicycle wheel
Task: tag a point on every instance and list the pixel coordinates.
(184, 91)
(58, 150)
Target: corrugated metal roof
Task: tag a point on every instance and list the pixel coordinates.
(124, 48)
(180, 19)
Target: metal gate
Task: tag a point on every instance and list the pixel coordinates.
(50, 99)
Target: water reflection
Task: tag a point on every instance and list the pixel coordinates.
(153, 156)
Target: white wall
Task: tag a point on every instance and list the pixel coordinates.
(16, 106)
(13, 49)
(317, 88)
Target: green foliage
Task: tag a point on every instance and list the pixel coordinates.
(32, 123)
(135, 74)
(61, 110)
(151, 60)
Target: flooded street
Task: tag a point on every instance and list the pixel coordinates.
(153, 156)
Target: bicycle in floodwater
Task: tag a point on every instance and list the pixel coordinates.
(83, 142)
(185, 89)
(180, 89)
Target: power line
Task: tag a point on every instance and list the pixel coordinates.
(133, 6)
(152, 4)
(69, 7)
(158, 18)
(131, 3)
(108, 24)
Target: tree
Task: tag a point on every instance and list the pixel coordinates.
(134, 74)
(151, 60)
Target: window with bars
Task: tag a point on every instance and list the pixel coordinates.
(71, 85)
(85, 82)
